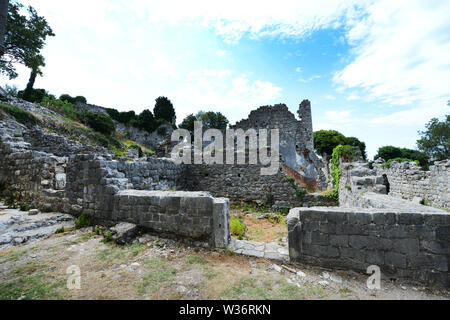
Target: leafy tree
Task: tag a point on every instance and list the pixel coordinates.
(435, 140)
(326, 140)
(188, 123)
(355, 142)
(164, 110)
(35, 63)
(25, 37)
(11, 90)
(210, 119)
(390, 152)
(146, 121)
(67, 97)
(80, 99)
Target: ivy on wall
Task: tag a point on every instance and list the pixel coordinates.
(347, 154)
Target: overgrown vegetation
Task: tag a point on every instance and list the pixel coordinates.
(237, 228)
(325, 141)
(299, 191)
(388, 163)
(346, 153)
(84, 220)
(22, 116)
(390, 153)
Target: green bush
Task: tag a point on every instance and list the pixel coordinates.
(84, 220)
(22, 116)
(36, 95)
(162, 131)
(80, 99)
(10, 201)
(388, 163)
(24, 206)
(237, 227)
(60, 230)
(100, 122)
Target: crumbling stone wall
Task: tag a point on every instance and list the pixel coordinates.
(196, 216)
(409, 181)
(104, 188)
(404, 244)
(43, 141)
(93, 180)
(242, 183)
(33, 177)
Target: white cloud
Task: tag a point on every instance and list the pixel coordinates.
(402, 51)
(298, 69)
(220, 90)
(221, 52)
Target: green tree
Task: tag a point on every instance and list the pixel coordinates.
(164, 110)
(24, 39)
(188, 123)
(390, 152)
(146, 121)
(35, 63)
(326, 140)
(435, 140)
(210, 119)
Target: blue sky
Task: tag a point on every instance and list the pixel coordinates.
(377, 70)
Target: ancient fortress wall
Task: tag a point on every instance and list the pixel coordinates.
(36, 178)
(408, 181)
(242, 183)
(403, 244)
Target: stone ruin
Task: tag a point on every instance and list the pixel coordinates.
(406, 239)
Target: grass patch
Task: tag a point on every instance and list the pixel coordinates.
(159, 276)
(22, 116)
(34, 287)
(252, 288)
(195, 259)
(60, 230)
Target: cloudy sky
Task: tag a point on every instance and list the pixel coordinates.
(377, 70)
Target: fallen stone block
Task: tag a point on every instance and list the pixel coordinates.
(124, 232)
(33, 212)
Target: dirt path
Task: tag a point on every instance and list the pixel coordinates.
(154, 268)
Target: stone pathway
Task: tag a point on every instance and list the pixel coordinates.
(269, 250)
(17, 227)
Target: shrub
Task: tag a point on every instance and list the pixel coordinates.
(67, 98)
(10, 201)
(35, 96)
(237, 227)
(388, 163)
(80, 99)
(108, 237)
(22, 116)
(162, 131)
(60, 230)
(24, 206)
(100, 122)
(270, 201)
(84, 220)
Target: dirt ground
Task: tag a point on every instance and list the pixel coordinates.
(154, 268)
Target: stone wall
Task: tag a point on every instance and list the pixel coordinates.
(93, 180)
(196, 216)
(242, 183)
(403, 244)
(33, 177)
(105, 188)
(408, 181)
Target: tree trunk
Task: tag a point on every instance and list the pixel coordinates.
(30, 85)
(3, 17)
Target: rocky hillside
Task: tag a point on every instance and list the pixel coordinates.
(58, 122)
